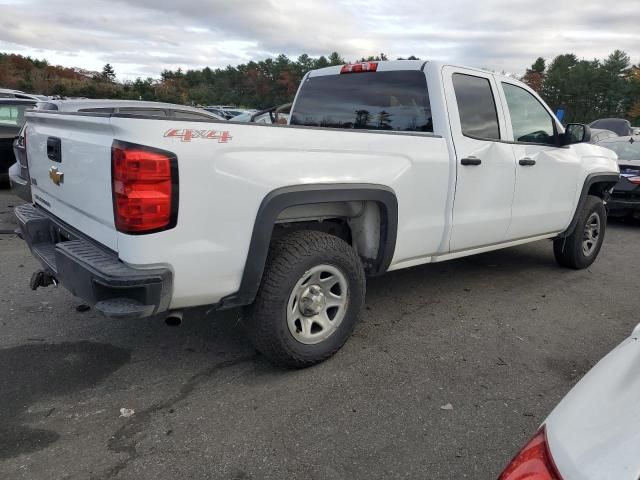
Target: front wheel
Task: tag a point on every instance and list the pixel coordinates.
(580, 249)
(312, 291)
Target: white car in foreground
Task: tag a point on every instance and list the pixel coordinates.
(594, 433)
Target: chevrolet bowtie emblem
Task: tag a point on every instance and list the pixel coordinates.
(56, 176)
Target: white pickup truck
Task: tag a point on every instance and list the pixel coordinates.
(383, 166)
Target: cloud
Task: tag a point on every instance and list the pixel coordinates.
(143, 37)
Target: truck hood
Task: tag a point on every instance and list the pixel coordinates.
(594, 433)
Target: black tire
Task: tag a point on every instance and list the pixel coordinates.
(289, 259)
(569, 250)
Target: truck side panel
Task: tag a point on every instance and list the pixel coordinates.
(225, 176)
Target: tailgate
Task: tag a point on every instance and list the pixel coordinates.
(69, 158)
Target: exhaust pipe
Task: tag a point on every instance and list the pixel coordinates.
(42, 278)
(174, 319)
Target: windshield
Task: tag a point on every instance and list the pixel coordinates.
(395, 100)
(625, 150)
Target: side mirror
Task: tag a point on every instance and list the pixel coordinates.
(576, 133)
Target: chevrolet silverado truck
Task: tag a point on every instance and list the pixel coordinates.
(382, 166)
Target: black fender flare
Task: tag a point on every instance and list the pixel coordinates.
(278, 200)
(607, 180)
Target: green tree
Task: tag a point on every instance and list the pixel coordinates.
(336, 59)
(108, 73)
(614, 76)
(534, 76)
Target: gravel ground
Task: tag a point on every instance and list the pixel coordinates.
(501, 337)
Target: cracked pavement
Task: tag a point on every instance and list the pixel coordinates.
(501, 337)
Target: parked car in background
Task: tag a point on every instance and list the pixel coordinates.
(19, 172)
(625, 198)
(620, 126)
(415, 162)
(12, 117)
(277, 115)
(9, 93)
(594, 432)
(599, 134)
(129, 107)
(228, 112)
(253, 117)
(636, 130)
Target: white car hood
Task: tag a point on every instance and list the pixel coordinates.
(594, 433)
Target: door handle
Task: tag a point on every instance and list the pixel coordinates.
(471, 161)
(54, 150)
(527, 162)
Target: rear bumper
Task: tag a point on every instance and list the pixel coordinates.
(623, 204)
(625, 199)
(90, 271)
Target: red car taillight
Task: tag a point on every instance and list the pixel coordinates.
(533, 462)
(145, 188)
(634, 180)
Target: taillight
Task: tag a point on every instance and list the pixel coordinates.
(635, 180)
(359, 67)
(533, 462)
(145, 188)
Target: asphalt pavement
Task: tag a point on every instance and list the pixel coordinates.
(497, 339)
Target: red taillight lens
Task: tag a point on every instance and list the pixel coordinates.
(145, 188)
(533, 462)
(635, 180)
(359, 67)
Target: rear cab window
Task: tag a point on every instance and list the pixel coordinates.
(387, 100)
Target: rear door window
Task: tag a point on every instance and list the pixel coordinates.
(393, 101)
(477, 107)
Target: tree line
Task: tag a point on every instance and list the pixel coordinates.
(588, 89)
(585, 89)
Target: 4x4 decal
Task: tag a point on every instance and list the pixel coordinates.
(187, 134)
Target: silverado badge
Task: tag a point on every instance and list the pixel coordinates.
(56, 176)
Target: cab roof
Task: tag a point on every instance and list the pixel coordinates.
(390, 65)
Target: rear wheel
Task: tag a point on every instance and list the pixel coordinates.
(581, 248)
(312, 290)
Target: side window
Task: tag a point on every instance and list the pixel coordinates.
(96, 110)
(477, 107)
(143, 112)
(530, 121)
(193, 115)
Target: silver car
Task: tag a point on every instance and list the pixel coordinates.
(19, 171)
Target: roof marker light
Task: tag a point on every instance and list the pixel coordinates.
(359, 67)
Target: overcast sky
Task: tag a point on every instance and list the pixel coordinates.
(143, 37)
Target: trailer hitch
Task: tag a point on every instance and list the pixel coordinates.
(42, 279)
